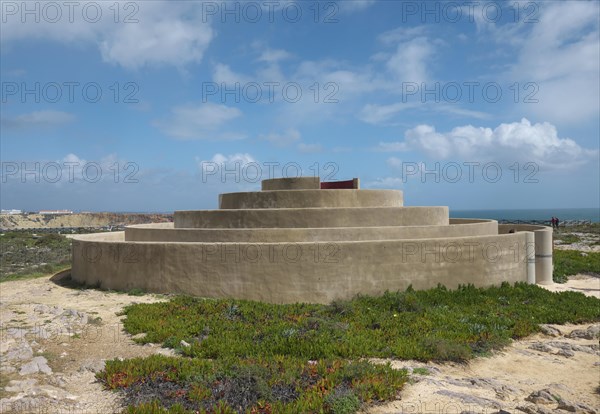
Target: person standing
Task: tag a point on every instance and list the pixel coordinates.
(557, 221)
(553, 221)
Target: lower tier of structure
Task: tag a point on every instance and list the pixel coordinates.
(312, 271)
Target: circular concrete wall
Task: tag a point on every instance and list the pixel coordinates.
(297, 272)
(298, 183)
(311, 198)
(166, 232)
(297, 243)
(313, 217)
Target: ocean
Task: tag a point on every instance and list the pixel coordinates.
(592, 214)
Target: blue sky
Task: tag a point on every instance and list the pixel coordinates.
(160, 106)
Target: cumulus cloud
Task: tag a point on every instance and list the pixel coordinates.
(202, 121)
(240, 171)
(517, 141)
(38, 119)
(130, 34)
(557, 59)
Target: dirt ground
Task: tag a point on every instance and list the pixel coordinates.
(54, 338)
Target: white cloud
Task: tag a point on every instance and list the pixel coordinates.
(241, 158)
(222, 74)
(394, 162)
(402, 34)
(383, 114)
(410, 61)
(281, 140)
(38, 119)
(353, 5)
(378, 114)
(384, 183)
(274, 55)
(147, 33)
(559, 55)
(202, 121)
(514, 142)
(233, 172)
(309, 148)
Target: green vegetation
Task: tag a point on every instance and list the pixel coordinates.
(571, 262)
(26, 255)
(437, 324)
(263, 351)
(263, 385)
(567, 238)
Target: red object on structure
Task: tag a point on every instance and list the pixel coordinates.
(340, 185)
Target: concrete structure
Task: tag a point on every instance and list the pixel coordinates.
(300, 240)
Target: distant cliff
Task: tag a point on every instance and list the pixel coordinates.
(90, 220)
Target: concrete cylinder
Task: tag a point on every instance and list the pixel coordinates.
(296, 183)
(530, 258)
(543, 256)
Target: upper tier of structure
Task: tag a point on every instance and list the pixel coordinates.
(305, 202)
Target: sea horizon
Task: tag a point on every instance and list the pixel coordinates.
(592, 214)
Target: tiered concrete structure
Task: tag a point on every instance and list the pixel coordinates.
(297, 240)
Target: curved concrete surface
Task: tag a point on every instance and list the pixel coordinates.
(297, 183)
(166, 232)
(294, 242)
(543, 249)
(297, 272)
(312, 217)
(311, 199)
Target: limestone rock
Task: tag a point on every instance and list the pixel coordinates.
(539, 346)
(590, 333)
(19, 351)
(37, 364)
(92, 365)
(550, 330)
(574, 407)
(566, 353)
(544, 396)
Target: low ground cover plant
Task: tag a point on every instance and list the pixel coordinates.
(572, 262)
(314, 358)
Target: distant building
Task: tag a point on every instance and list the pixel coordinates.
(13, 211)
(55, 212)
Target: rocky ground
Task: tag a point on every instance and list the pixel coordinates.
(55, 338)
(586, 242)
